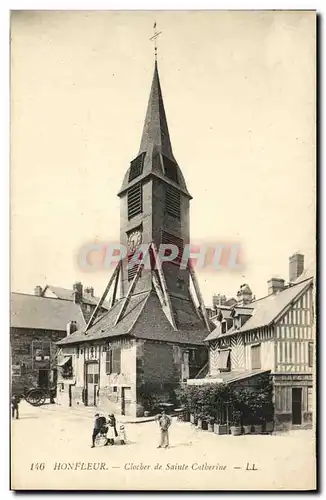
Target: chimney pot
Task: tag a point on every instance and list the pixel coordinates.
(275, 285)
(78, 292)
(296, 266)
(38, 291)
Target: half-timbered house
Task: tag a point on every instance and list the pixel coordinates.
(275, 335)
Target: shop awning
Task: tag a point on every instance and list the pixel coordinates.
(64, 361)
(223, 358)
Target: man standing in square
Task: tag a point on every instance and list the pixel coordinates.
(164, 423)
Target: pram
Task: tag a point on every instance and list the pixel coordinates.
(102, 435)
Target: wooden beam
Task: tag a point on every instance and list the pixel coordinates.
(113, 297)
(199, 295)
(193, 302)
(163, 285)
(125, 301)
(106, 291)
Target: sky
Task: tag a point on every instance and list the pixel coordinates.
(239, 94)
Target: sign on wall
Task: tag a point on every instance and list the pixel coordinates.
(41, 353)
(15, 370)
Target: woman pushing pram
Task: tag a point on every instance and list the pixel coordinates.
(107, 430)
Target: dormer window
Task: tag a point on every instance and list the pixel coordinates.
(181, 283)
(224, 326)
(136, 167)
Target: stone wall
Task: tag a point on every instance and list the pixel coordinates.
(25, 373)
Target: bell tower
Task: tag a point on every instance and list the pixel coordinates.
(154, 202)
(154, 211)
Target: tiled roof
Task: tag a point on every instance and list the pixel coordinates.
(266, 310)
(67, 294)
(144, 318)
(31, 311)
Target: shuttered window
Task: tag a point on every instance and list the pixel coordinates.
(255, 357)
(309, 399)
(170, 239)
(136, 167)
(132, 270)
(223, 361)
(310, 354)
(135, 200)
(108, 361)
(172, 201)
(170, 169)
(113, 360)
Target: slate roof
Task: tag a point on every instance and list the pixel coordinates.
(309, 272)
(67, 294)
(144, 318)
(155, 141)
(33, 312)
(266, 310)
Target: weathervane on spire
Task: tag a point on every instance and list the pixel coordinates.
(154, 39)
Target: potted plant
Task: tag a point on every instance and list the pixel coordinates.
(210, 424)
(220, 427)
(200, 420)
(236, 423)
(257, 411)
(247, 417)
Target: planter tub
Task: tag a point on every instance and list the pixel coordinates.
(186, 417)
(269, 426)
(220, 429)
(258, 429)
(199, 423)
(210, 427)
(247, 429)
(192, 418)
(235, 431)
(204, 425)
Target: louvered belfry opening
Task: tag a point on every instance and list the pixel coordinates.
(136, 167)
(135, 200)
(172, 201)
(132, 270)
(170, 239)
(170, 169)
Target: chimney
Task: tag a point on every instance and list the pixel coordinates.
(218, 300)
(296, 266)
(38, 291)
(71, 327)
(78, 292)
(89, 291)
(275, 285)
(244, 295)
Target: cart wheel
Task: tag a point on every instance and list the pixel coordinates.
(41, 401)
(33, 397)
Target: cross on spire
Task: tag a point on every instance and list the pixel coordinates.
(154, 39)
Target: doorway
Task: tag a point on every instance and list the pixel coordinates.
(296, 406)
(92, 379)
(125, 400)
(43, 378)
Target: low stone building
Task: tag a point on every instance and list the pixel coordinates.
(36, 324)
